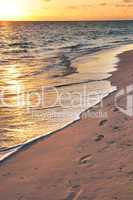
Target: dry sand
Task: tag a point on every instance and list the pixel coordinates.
(92, 159)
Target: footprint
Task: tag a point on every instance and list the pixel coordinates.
(115, 198)
(73, 195)
(85, 159)
(7, 174)
(130, 173)
(103, 122)
(20, 198)
(111, 142)
(115, 110)
(116, 128)
(99, 138)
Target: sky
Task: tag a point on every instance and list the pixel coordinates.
(66, 9)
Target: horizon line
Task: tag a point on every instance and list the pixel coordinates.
(97, 20)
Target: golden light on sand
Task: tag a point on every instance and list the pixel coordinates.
(11, 10)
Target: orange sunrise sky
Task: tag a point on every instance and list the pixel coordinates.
(66, 9)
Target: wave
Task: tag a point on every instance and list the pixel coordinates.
(36, 54)
(7, 152)
(21, 44)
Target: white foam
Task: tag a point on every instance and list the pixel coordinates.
(105, 59)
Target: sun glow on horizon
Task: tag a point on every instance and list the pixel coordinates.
(12, 10)
(53, 10)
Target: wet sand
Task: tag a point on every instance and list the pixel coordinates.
(92, 159)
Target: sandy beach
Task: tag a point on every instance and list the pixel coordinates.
(88, 160)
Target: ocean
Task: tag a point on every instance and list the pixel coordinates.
(51, 72)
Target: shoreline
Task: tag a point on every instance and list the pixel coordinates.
(9, 152)
(98, 157)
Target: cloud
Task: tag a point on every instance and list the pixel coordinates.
(103, 4)
(78, 7)
(124, 5)
(72, 7)
(128, 1)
